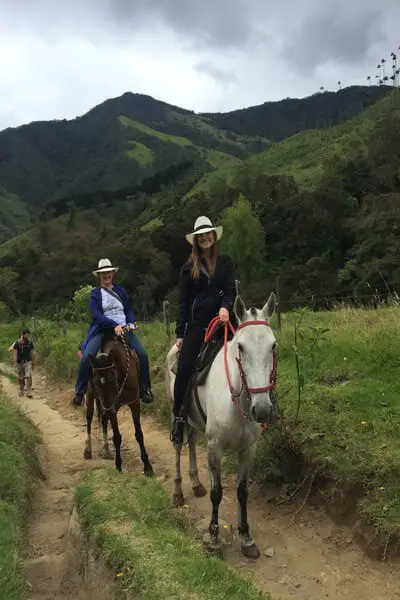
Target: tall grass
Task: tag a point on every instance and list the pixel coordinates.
(19, 469)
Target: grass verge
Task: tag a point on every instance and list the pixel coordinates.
(346, 435)
(145, 542)
(19, 469)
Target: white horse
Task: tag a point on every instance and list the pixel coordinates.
(235, 399)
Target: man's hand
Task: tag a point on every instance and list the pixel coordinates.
(179, 343)
(118, 331)
(224, 314)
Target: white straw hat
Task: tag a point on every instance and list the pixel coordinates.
(105, 266)
(203, 225)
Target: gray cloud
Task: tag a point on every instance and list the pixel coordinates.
(220, 76)
(222, 23)
(60, 58)
(334, 33)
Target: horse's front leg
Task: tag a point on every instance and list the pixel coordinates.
(89, 416)
(249, 548)
(105, 453)
(117, 439)
(148, 469)
(198, 488)
(214, 467)
(178, 498)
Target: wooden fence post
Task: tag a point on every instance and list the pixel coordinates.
(166, 319)
(278, 302)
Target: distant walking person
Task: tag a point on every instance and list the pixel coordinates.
(24, 360)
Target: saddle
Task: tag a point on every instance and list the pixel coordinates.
(204, 361)
(206, 357)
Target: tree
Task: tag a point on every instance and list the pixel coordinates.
(80, 303)
(243, 240)
(9, 289)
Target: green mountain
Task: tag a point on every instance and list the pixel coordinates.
(328, 202)
(115, 144)
(284, 118)
(125, 140)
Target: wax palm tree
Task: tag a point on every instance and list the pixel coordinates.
(378, 77)
(394, 68)
(383, 62)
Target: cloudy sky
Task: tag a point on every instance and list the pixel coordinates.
(61, 57)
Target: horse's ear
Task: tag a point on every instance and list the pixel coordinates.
(269, 306)
(91, 360)
(239, 308)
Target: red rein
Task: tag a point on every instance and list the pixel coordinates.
(210, 332)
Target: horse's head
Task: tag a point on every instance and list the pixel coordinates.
(104, 378)
(256, 347)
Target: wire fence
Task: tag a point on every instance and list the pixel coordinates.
(328, 299)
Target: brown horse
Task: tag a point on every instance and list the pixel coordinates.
(114, 382)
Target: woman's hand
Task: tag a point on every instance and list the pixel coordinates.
(224, 314)
(118, 331)
(179, 343)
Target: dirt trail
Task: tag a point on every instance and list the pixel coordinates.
(312, 559)
(51, 568)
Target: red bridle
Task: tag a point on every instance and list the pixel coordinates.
(234, 395)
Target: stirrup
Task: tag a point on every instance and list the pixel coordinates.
(178, 421)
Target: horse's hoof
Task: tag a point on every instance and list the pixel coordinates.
(178, 499)
(199, 491)
(106, 455)
(251, 551)
(148, 470)
(119, 468)
(87, 454)
(215, 550)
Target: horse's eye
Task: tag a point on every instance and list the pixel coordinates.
(240, 346)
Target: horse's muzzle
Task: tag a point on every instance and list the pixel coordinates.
(263, 411)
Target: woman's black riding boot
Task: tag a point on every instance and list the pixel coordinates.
(77, 400)
(177, 430)
(146, 395)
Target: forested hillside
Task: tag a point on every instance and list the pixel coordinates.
(279, 120)
(133, 137)
(321, 210)
(115, 144)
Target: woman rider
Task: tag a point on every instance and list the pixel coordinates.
(206, 289)
(110, 309)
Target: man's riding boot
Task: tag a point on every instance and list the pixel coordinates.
(77, 400)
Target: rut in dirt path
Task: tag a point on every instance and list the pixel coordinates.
(51, 569)
(312, 560)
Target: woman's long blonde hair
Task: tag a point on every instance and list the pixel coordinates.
(196, 256)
